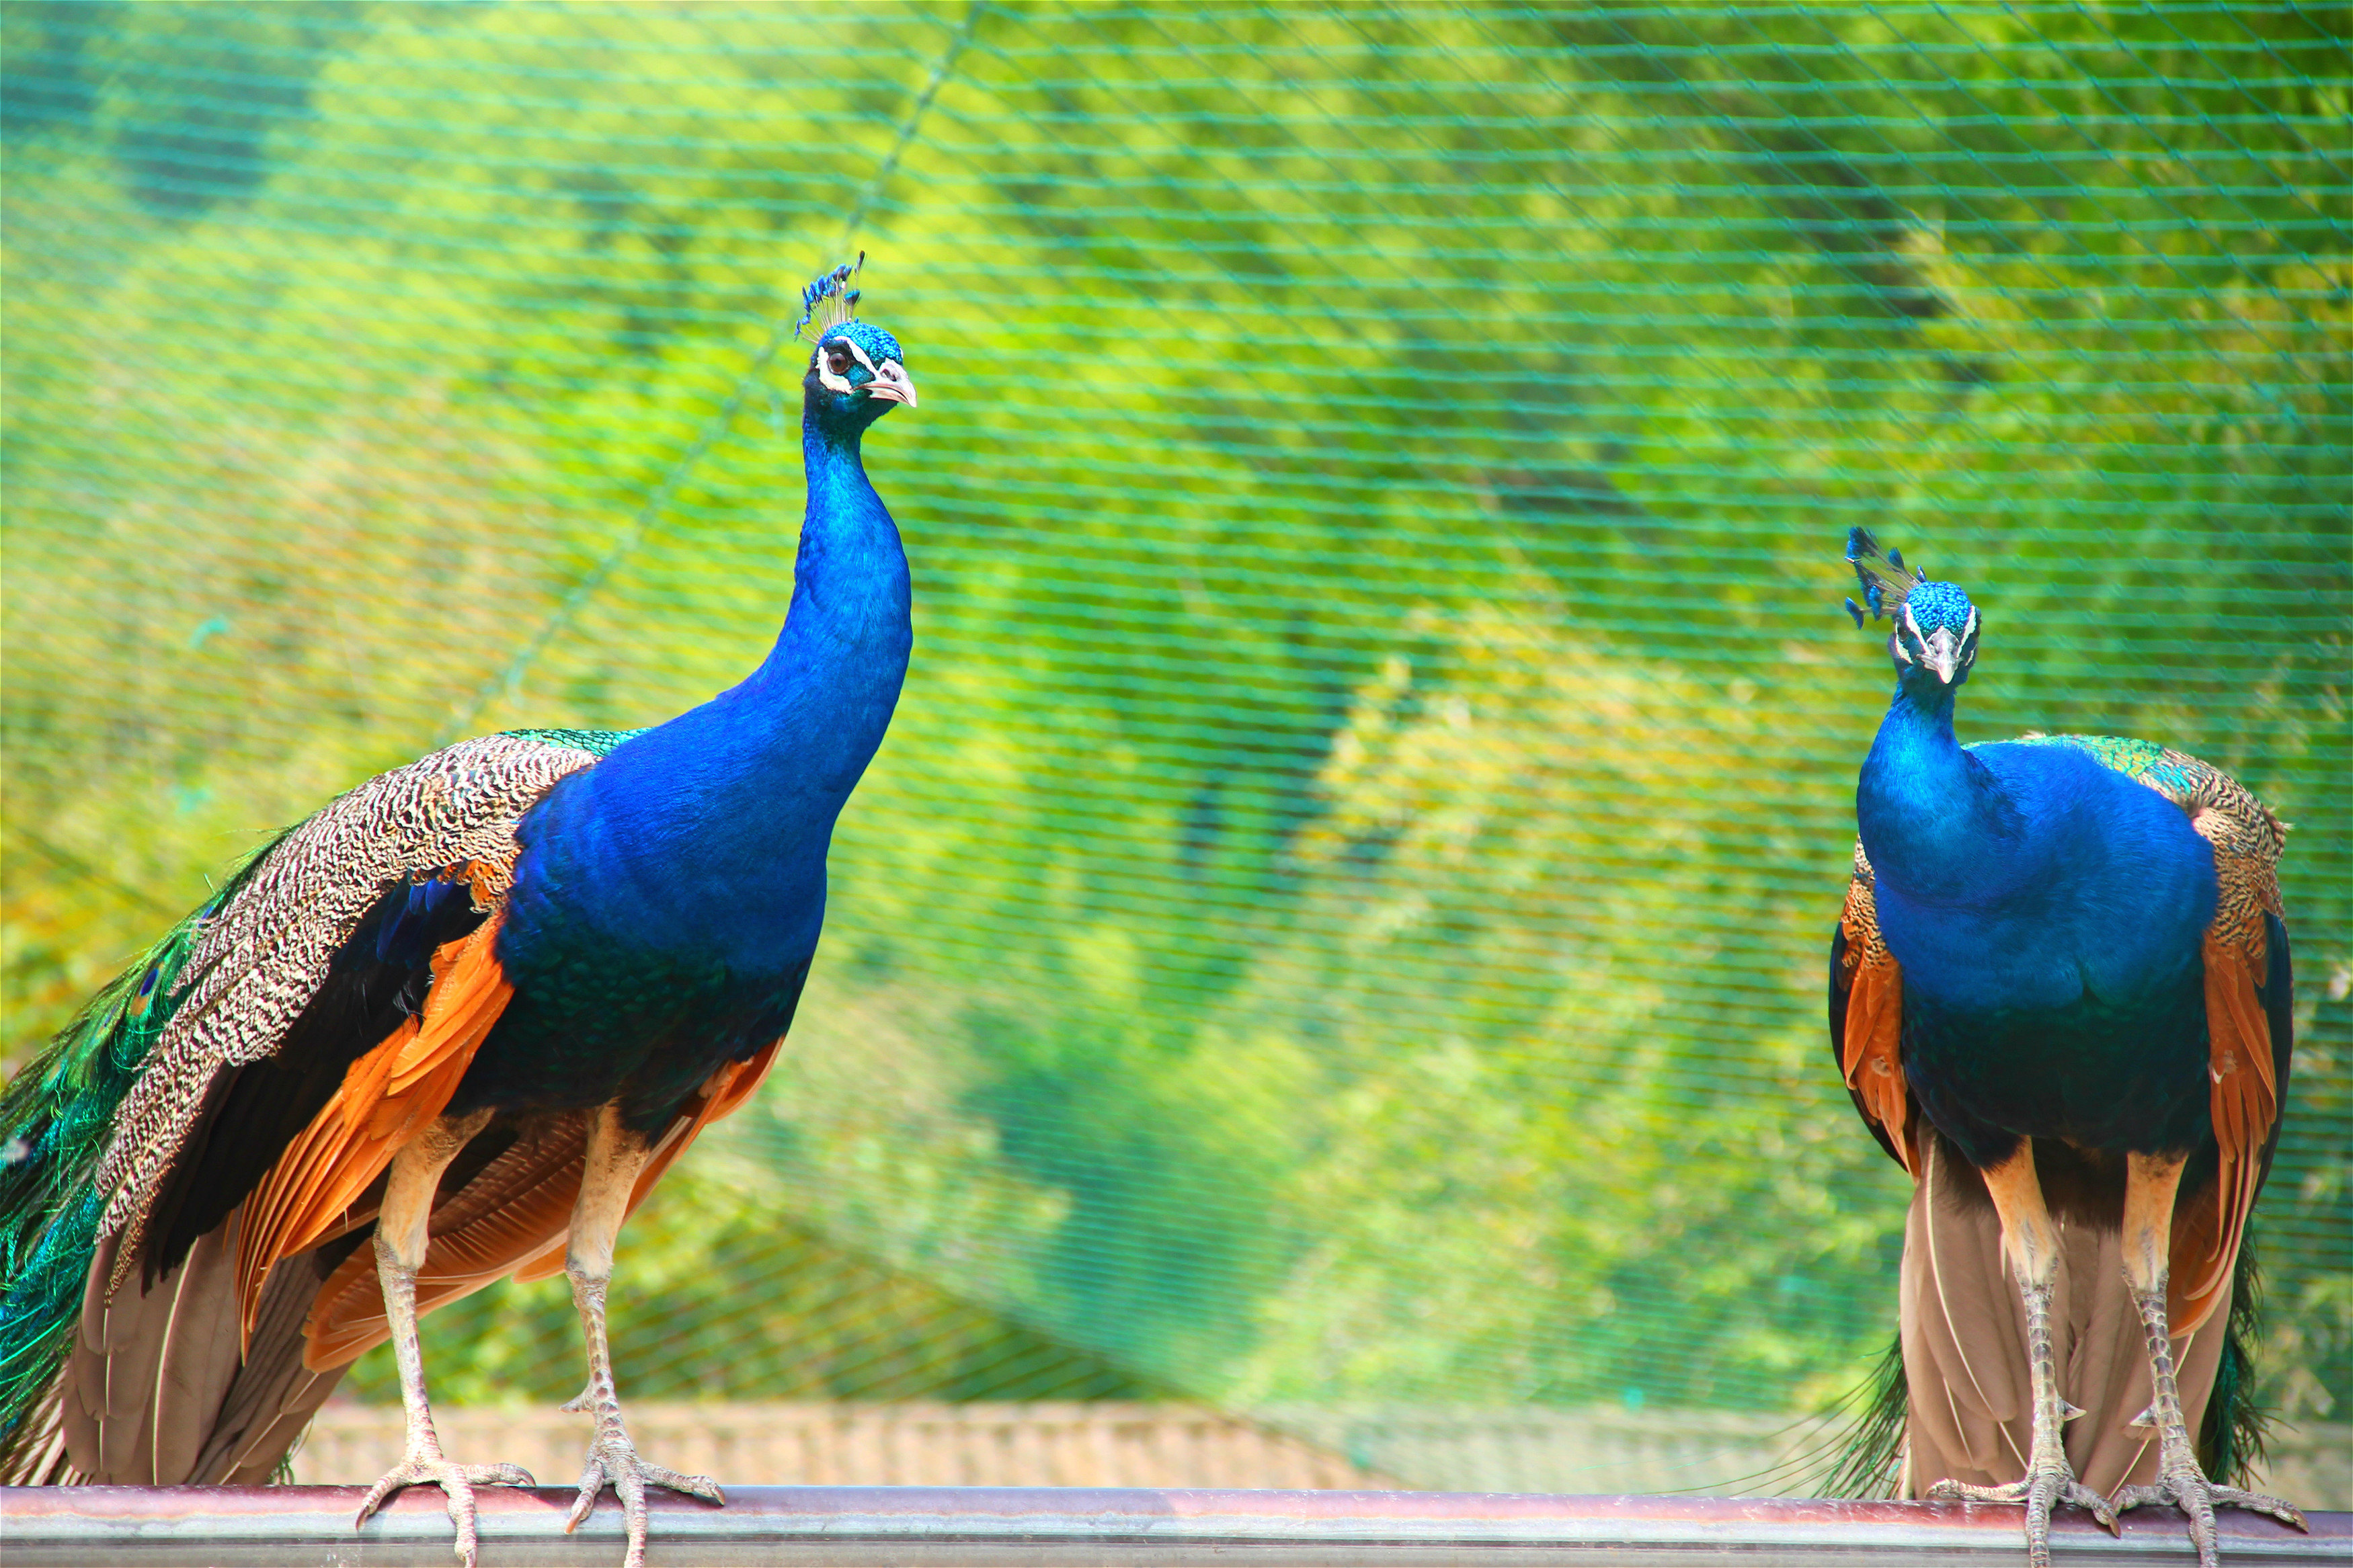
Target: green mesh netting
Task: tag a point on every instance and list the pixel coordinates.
(1339, 920)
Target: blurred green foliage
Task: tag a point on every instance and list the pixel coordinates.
(1340, 915)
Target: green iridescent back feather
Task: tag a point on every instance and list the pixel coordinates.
(598, 743)
(57, 1118)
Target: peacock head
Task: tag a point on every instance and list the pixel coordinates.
(856, 370)
(1935, 636)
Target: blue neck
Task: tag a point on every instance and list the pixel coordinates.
(815, 710)
(707, 834)
(848, 625)
(1931, 815)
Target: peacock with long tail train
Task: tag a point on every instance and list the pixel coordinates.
(2060, 995)
(451, 1028)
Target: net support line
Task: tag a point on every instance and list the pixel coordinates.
(754, 373)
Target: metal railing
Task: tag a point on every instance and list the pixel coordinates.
(982, 1527)
(1165, 1444)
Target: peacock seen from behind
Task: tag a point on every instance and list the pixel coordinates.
(2059, 994)
(451, 1028)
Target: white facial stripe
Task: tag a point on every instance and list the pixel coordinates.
(840, 384)
(1969, 632)
(824, 376)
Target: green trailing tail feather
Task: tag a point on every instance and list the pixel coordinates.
(57, 1118)
(1869, 1458)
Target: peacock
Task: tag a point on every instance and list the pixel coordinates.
(2059, 994)
(451, 1028)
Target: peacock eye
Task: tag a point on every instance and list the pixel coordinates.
(837, 362)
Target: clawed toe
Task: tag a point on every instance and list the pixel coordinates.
(2280, 1508)
(2062, 1490)
(613, 1458)
(2188, 1490)
(2041, 1491)
(456, 1482)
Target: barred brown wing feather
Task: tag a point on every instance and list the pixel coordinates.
(263, 959)
(312, 1025)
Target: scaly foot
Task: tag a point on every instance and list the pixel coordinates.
(2042, 1490)
(613, 1457)
(427, 1467)
(2150, 1183)
(2186, 1487)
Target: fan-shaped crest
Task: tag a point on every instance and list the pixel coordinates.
(1886, 581)
(828, 300)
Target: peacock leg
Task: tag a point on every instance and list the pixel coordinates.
(2030, 1242)
(400, 1242)
(2149, 1184)
(616, 1156)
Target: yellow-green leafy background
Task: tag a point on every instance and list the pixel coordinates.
(1340, 915)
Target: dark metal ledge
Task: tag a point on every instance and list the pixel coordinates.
(977, 1527)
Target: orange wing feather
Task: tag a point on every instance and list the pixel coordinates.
(386, 1097)
(723, 1093)
(513, 1218)
(1873, 1050)
(2244, 1087)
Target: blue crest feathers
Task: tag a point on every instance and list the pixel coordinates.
(1888, 585)
(829, 300)
(1886, 581)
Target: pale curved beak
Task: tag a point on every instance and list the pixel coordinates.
(891, 383)
(1942, 653)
